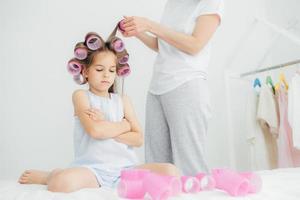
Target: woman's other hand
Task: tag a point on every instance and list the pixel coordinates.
(135, 25)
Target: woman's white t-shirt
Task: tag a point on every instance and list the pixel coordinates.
(172, 66)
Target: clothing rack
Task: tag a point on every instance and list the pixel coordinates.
(271, 68)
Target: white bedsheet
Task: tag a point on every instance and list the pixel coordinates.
(280, 184)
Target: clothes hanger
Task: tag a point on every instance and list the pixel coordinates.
(270, 83)
(283, 80)
(277, 86)
(256, 83)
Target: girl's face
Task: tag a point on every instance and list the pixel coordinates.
(102, 72)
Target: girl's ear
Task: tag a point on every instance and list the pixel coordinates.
(84, 72)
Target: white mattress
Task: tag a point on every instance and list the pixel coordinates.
(280, 184)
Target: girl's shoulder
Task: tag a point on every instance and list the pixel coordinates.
(80, 97)
(79, 93)
(126, 101)
(80, 100)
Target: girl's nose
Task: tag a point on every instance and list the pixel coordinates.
(106, 73)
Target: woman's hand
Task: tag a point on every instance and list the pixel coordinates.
(135, 25)
(95, 114)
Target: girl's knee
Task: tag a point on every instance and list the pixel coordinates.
(171, 169)
(61, 182)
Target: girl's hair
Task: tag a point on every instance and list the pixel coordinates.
(93, 44)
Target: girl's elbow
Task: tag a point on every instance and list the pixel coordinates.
(140, 144)
(195, 50)
(155, 48)
(140, 140)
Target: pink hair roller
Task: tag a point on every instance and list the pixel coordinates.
(140, 183)
(190, 184)
(121, 25)
(79, 79)
(74, 67)
(174, 183)
(123, 57)
(206, 181)
(123, 70)
(118, 45)
(123, 60)
(158, 187)
(254, 180)
(231, 182)
(93, 41)
(80, 51)
(132, 183)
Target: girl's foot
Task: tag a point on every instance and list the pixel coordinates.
(34, 177)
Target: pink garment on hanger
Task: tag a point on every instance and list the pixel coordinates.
(288, 156)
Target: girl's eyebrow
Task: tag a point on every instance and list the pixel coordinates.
(104, 66)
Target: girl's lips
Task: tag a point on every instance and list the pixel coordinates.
(107, 82)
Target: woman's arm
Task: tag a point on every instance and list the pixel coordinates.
(149, 41)
(192, 44)
(134, 137)
(99, 129)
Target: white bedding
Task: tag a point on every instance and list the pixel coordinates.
(280, 184)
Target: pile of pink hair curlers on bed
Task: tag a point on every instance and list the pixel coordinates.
(93, 42)
(143, 184)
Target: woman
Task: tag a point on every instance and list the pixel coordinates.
(178, 105)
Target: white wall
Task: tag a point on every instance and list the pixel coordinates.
(263, 47)
(37, 40)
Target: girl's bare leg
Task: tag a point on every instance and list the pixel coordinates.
(161, 168)
(72, 179)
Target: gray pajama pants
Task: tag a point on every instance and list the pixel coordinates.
(176, 126)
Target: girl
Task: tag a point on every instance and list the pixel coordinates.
(178, 105)
(106, 127)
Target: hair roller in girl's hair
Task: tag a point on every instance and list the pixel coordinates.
(79, 79)
(93, 41)
(116, 44)
(80, 51)
(123, 57)
(74, 67)
(123, 70)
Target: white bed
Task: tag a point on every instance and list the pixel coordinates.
(280, 184)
